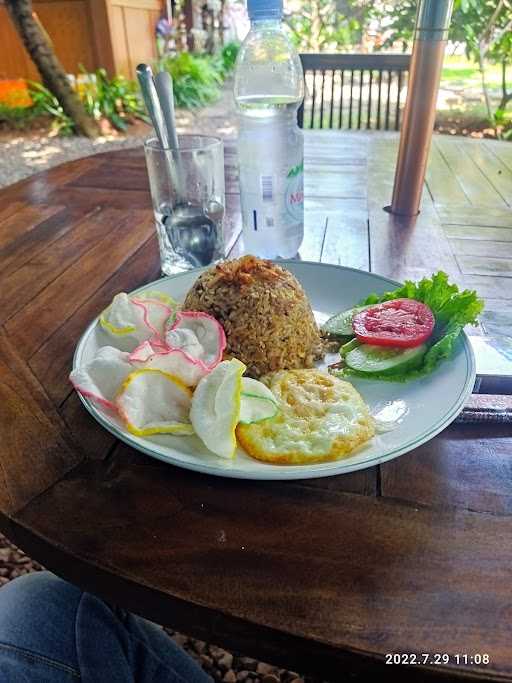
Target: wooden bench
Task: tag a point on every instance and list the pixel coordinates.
(354, 90)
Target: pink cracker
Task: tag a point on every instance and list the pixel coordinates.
(181, 315)
(142, 303)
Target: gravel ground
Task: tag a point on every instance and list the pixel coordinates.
(23, 155)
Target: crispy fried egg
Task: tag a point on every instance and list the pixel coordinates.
(320, 418)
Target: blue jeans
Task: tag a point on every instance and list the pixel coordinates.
(52, 632)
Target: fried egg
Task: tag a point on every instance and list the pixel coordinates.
(320, 418)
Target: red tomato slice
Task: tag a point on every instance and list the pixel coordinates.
(399, 322)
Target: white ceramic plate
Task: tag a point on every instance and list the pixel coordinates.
(431, 403)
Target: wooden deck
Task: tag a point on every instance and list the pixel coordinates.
(465, 224)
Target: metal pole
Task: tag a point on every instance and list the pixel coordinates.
(431, 34)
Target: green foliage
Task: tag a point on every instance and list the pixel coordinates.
(503, 123)
(16, 117)
(223, 61)
(228, 54)
(46, 103)
(323, 25)
(483, 26)
(469, 23)
(116, 99)
(400, 19)
(459, 75)
(196, 78)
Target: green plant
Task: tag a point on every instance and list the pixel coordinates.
(39, 46)
(16, 117)
(503, 124)
(196, 79)
(224, 60)
(116, 99)
(46, 103)
(484, 27)
(228, 54)
(323, 25)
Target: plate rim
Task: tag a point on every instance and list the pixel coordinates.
(331, 468)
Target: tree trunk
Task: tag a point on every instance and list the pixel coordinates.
(481, 64)
(506, 97)
(51, 70)
(189, 23)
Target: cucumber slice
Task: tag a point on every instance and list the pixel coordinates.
(257, 402)
(349, 346)
(255, 409)
(384, 360)
(340, 325)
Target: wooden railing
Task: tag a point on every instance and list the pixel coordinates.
(354, 90)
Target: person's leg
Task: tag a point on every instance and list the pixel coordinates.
(37, 629)
(51, 631)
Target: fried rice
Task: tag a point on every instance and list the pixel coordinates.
(264, 311)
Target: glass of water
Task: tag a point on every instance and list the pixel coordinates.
(187, 190)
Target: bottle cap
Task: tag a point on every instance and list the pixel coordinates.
(260, 10)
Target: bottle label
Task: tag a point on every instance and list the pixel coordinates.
(272, 190)
(294, 196)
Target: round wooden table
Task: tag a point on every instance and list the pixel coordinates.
(326, 576)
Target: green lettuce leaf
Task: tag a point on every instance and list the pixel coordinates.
(452, 310)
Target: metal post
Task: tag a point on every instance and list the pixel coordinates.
(432, 23)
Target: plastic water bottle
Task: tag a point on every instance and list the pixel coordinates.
(269, 88)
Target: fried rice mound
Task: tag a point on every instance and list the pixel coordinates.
(264, 311)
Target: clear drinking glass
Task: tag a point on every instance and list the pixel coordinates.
(187, 190)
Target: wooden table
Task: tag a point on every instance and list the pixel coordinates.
(322, 576)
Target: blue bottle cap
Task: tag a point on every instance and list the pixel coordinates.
(260, 10)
